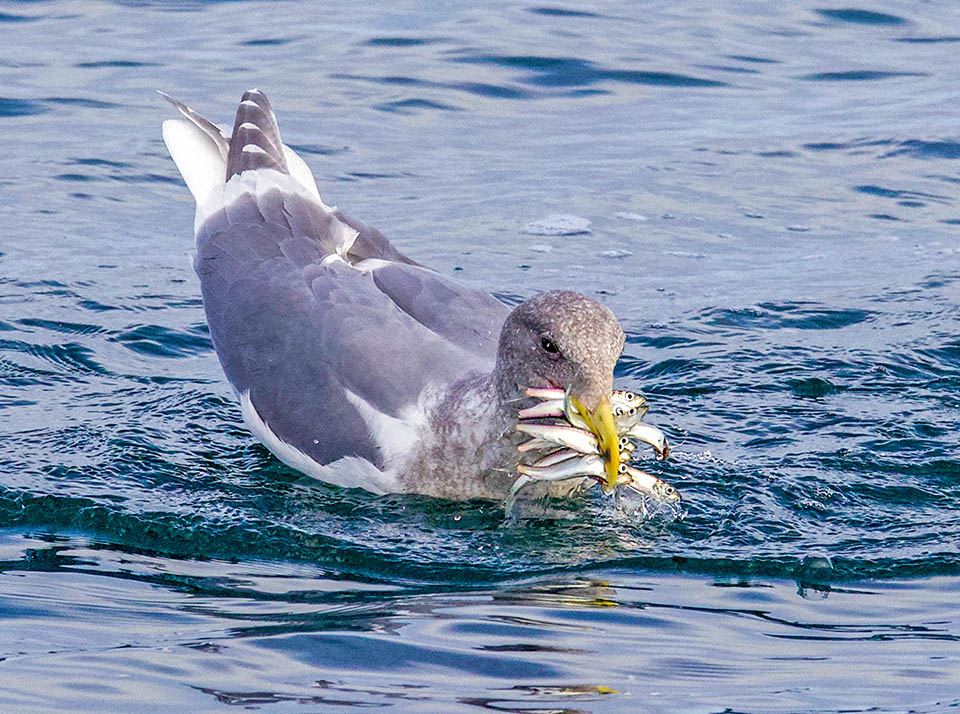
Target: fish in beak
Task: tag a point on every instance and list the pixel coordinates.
(601, 424)
(582, 442)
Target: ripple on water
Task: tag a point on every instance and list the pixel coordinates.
(10, 107)
(398, 41)
(813, 387)
(54, 363)
(872, 190)
(576, 72)
(81, 102)
(786, 315)
(861, 17)
(268, 42)
(159, 341)
(930, 40)
(560, 224)
(412, 106)
(854, 146)
(114, 64)
(933, 149)
(68, 328)
(481, 89)
(10, 17)
(858, 75)
(562, 12)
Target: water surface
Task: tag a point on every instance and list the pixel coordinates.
(770, 192)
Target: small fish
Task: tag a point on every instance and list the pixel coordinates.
(628, 408)
(568, 436)
(577, 466)
(648, 484)
(546, 392)
(511, 498)
(592, 466)
(535, 444)
(650, 435)
(556, 457)
(626, 418)
(599, 421)
(549, 409)
(580, 453)
(625, 400)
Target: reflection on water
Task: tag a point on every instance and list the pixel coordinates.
(257, 633)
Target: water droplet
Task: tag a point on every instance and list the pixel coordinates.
(813, 577)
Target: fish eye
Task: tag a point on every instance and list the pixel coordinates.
(631, 411)
(549, 345)
(623, 469)
(618, 411)
(629, 396)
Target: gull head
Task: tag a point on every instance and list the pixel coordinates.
(565, 340)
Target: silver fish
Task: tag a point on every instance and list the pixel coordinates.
(650, 435)
(577, 466)
(568, 436)
(648, 484)
(556, 457)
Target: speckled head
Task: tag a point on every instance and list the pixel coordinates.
(561, 339)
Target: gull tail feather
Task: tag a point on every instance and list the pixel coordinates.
(199, 149)
(255, 142)
(202, 151)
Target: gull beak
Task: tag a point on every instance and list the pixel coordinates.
(601, 424)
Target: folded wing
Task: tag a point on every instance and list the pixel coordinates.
(330, 333)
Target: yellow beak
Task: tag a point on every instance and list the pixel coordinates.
(601, 424)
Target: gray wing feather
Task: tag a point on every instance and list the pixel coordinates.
(470, 319)
(297, 334)
(370, 243)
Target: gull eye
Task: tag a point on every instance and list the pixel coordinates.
(549, 345)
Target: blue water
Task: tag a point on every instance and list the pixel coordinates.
(772, 190)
